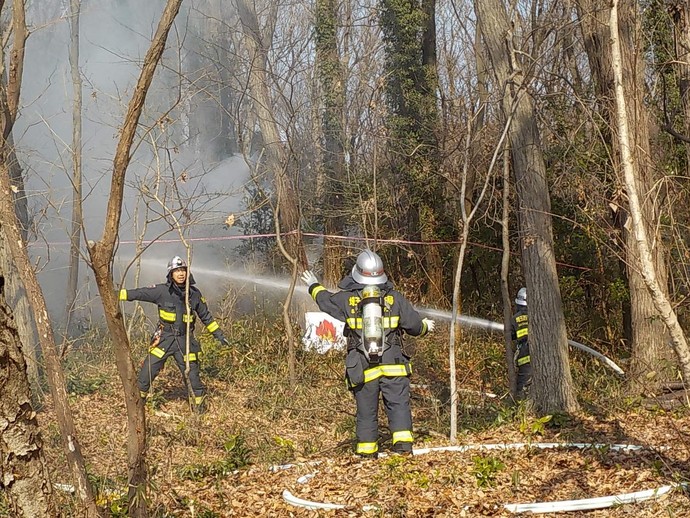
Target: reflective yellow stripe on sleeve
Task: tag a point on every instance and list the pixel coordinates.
(188, 318)
(212, 326)
(123, 295)
(191, 356)
(316, 291)
(166, 316)
(521, 333)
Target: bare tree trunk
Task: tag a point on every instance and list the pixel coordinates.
(9, 99)
(24, 477)
(56, 378)
(332, 80)
(680, 11)
(505, 271)
(552, 389)
(75, 232)
(16, 297)
(102, 253)
(14, 291)
(276, 159)
(649, 335)
(646, 261)
(466, 218)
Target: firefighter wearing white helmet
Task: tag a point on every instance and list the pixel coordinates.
(376, 317)
(170, 339)
(520, 334)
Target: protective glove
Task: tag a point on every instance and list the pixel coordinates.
(309, 278)
(430, 324)
(218, 335)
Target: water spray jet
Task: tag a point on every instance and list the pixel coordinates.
(473, 323)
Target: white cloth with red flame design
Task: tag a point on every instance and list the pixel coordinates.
(323, 332)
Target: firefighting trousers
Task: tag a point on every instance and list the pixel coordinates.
(524, 368)
(395, 392)
(155, 361)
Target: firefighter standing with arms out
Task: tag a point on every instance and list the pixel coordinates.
(520, 334)
(376, 316)
(170, 338)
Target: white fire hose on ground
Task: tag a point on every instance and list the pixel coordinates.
(531, 507)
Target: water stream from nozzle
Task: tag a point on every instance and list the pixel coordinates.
(463, 320)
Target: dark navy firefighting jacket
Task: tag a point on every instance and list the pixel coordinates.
(170, 299)
(398, 314)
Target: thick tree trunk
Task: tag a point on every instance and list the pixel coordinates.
(552, 388)
(645, 260)
(650, 337)
(24, 477)
(332, 80)
(409, 33)
(505, 273)
(56, 378)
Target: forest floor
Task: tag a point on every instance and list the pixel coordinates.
(259, 436)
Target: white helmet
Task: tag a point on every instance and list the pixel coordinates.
(175, 263)
(369, 269)
(521, 299)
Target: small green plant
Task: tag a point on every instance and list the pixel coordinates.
(286, 449)
(515, 479)
(532, 427)
(237, 455)
(80, 385)
(485, 470)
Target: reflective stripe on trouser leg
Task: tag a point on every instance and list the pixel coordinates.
(367, 399)
(396, 400)
(149, 370)
(194, 378)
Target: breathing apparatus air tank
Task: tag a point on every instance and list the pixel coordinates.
(372, 323)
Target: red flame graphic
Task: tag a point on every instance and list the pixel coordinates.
(326, 330)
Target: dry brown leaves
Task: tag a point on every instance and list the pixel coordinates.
(470, 483)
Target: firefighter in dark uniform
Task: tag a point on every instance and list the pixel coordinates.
(520, 334)
(170, 338)
(374, 366)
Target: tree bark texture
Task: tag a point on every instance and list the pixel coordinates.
(24, 477)
(56, 377)
(552, 387)
(650, 337)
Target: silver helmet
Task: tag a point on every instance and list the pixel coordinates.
(369, 269)
(521, 299)
(175, 263)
